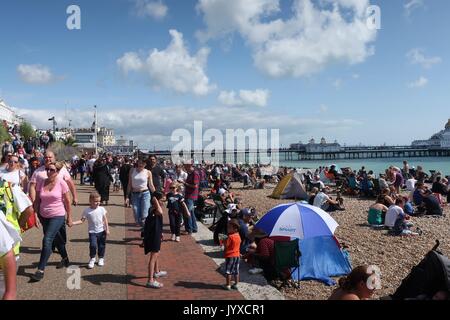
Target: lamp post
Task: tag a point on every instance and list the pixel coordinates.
(95, 128)
(54, 124)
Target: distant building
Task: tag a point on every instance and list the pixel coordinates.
(440, 140)
(313, 147)
(7, 114)
(106, 137)
(84, 138)
(123, 147)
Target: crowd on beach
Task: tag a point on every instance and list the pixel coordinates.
(38, 190)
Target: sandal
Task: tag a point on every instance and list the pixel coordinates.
(154, 285)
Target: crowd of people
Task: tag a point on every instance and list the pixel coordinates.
(43, 193)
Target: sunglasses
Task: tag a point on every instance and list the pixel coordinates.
(13, 161)
(51, 170)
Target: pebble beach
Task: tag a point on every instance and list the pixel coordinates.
(395, 256)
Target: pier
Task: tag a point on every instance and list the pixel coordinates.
(345, 153)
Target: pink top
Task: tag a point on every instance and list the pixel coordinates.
(40, 175)
(52, 204)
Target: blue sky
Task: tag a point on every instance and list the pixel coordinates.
(232, 64)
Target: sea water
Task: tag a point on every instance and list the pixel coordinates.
(378, 166)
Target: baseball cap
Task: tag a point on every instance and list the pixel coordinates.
(247, 212)
(222, 191)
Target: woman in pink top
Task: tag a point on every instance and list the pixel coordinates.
(52, 204)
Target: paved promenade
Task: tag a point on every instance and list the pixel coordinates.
(192, 273)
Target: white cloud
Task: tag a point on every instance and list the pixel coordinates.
(412, 5)
(337, 83)
(130, 62)
(355, 76)
(419, 83)
(257, 98)
(417, 56)
(323, 108)
(154, 126)
(153, 9)
(172, 68)
(35, 74)
(318, 33)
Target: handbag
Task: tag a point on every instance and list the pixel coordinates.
(31, 222)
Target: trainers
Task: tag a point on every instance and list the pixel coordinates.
(255, 270)
(64, 263)
(101, 262)
(173, 237)
(225, 287)
(154, 285)
(38, 276)
(177, 239)
(91, 263)
(235, 287)
(160, 274)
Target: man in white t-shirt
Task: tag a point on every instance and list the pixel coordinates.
(394, 212)
(411, 184)
(90, 169)
(323, 201)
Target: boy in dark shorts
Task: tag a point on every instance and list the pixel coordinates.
(232, 244)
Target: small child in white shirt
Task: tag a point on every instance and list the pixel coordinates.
(98, 229)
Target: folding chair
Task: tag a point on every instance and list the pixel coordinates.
(287, 256)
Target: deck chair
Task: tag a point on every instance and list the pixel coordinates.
(287, 256)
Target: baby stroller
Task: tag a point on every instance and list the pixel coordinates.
(430, 276)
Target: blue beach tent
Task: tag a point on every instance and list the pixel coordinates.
(321, 254)
(321, 259)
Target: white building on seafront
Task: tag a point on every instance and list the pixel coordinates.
(440, 140)
(7, 114)
(313, 147)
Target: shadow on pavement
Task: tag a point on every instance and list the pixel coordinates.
(197, 285)
(209, 243)
(215, 254)
(98, 279)
(30, 250)
(125, 241)
(127, 225)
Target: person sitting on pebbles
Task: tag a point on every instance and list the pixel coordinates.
(325, 202)
(356, 286)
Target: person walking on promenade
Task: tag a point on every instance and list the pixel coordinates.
(124, 174)
(158, 173)
(140, 184)
(152, 241)
(191, 190)
(40, 175)
(52, 205)
(98, 229)
(176, 207)
(102, 179)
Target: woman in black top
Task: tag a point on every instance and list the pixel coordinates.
(152, 240)
(124, 173)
